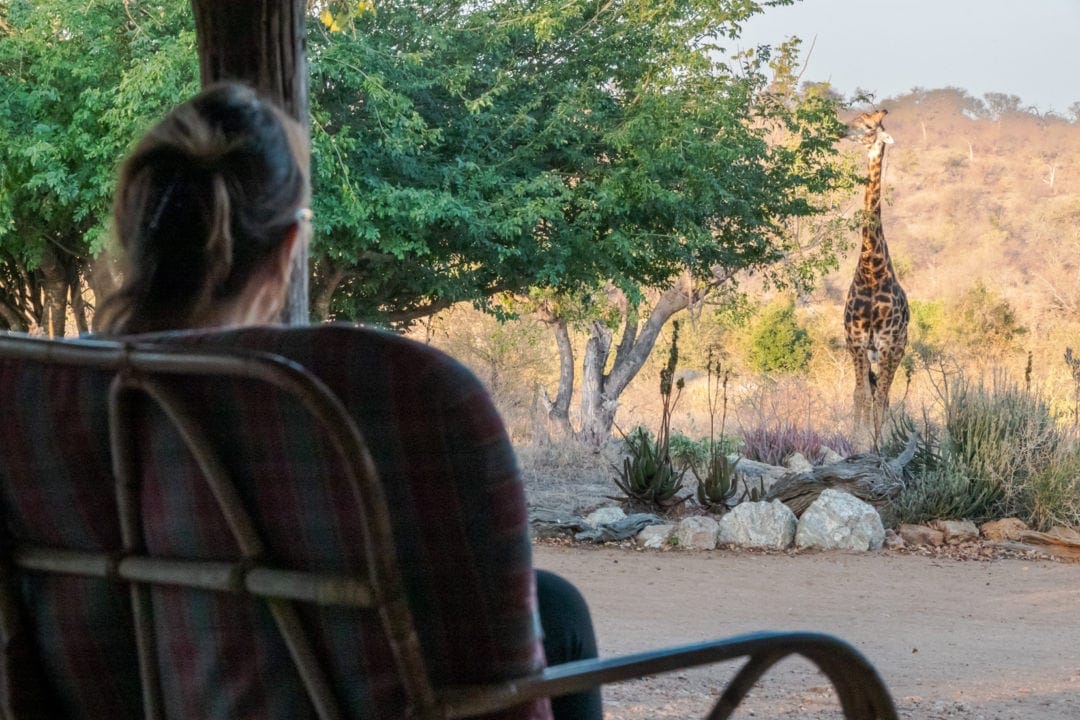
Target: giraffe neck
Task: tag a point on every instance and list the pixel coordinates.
(874, 259)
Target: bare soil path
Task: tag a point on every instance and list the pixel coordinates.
(996, 640)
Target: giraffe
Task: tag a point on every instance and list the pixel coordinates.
(876, 313)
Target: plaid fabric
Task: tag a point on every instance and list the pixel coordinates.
(451, 481)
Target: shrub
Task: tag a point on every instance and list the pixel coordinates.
(985, 323)
(945, 492)
(927, 458)
(1052, 496)
(1000, 454)
(778, 343)
(1003, 435)
(686, 452)
(775, 443)
(717, 483)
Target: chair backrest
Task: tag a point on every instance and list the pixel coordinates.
(119, 564)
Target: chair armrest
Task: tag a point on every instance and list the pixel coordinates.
(862, 693)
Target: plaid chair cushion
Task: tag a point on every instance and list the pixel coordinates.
(451, 482)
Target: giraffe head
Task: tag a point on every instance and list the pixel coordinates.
(868, 130)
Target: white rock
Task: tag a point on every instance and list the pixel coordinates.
(840, 521)
(797, 462)
(698, 533)
(605, 516)
(829, 456)
(655, 536)
(759, 524)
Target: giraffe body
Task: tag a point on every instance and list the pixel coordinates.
(876, 314)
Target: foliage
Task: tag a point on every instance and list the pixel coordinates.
(927, 337)
(778, 342)
(1073, 363)
(1000, 454)
(753, 493)
(78, 83)
(897, 432)
(1002, 435)
(686, 452)
(468, 150)
(945, 493)
(717, 484)
(1052, 496)
(985, 323)
(773, 444)
(668, 385)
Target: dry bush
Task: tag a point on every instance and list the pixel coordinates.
(514, 359)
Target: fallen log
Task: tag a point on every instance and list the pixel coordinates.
(869, 477)
(1052, 543)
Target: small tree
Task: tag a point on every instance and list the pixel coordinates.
(985, 323)
(778, 343)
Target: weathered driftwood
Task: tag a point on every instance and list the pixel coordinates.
(1052, 543)
(868, 476)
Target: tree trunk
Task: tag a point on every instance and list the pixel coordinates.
(869, 477)
(559, 409)
(599, 392)
(597, 406)
(11, 318)
(325, 281)
(99, 276)
(78, 307)
(262, 43)
(56, 292)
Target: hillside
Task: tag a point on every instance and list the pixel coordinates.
(970, 200)
(990, 199)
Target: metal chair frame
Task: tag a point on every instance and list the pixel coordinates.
(144, 369)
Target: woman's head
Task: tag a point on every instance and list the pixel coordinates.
(208, 209)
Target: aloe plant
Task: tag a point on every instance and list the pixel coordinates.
(647, 475)
(717, 485)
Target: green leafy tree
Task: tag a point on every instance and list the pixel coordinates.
(611, 159)
(78, 83)
(927, 335)
(778, 343)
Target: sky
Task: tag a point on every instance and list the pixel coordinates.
(1029, 48)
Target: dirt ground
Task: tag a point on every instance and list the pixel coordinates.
(963, 640)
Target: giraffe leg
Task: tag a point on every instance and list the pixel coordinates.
(887, 370)
(863, 401)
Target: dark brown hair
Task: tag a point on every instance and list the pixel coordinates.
(201, 203)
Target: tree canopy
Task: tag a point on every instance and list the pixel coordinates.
(470, 149)
(78, 83)
(460, 150)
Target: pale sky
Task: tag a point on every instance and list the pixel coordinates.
(1029, 48)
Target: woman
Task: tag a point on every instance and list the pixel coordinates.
(210, 210)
